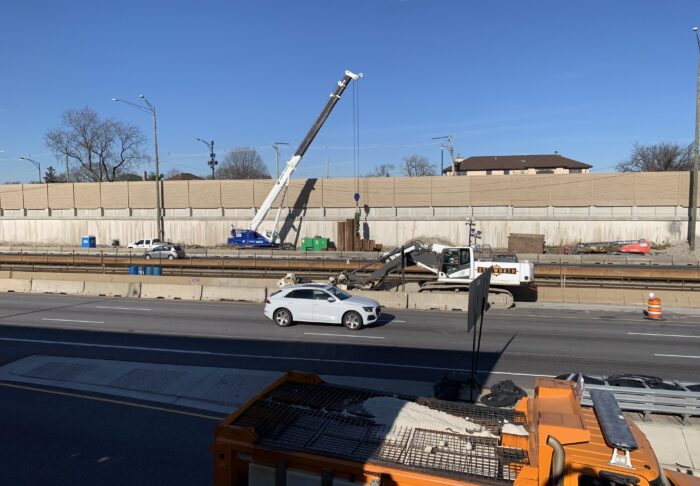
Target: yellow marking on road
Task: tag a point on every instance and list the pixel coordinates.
(109, 400)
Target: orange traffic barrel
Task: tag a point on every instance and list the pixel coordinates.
(653, 311)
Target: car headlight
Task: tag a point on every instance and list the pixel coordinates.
(368, 309)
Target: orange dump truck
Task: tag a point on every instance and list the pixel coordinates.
(302, 431)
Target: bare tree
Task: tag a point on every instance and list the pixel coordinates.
(417, 166)
(383, 170)
(657, 158)
(242, 163)
(98, 149)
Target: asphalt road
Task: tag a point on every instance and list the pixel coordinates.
(67, 438)
(414, 345)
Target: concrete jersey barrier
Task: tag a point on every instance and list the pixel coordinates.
(244, 294)
(15, 285)
(165, 291)
(107, 289)
(57, 286)
(439, 301)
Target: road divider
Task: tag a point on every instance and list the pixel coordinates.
(107, 289)
(244, 294)
(388, 300)
(58, 286)
(170, 291)
(15, 285)
(438, 301)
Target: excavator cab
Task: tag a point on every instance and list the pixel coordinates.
(453, 260)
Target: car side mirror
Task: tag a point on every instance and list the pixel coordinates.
(331, 299)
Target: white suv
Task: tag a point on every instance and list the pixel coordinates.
(320, 303)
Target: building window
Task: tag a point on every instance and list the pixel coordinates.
(544, 171)
(575, 171)
(488, 172)
(506, 171)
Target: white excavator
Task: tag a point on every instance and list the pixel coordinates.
(454, 268)
(250, 237)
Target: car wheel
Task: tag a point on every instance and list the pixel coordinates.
(148, 257)
(352, 320)
(170, 257)
(282, 317)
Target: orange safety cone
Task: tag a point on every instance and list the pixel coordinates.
(653, 311)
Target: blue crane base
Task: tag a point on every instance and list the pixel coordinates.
(249, 239)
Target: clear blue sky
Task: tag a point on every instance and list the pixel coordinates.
(586, 78)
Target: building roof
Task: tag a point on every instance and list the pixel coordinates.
(515, 162)
(184, 176)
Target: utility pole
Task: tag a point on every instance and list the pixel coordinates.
(67, 172)
(276, 146)
(693, 203)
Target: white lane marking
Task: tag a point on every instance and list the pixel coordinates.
(394, 320)
(579, 318)
(663, 335)
(260, 356)
(73, 320)
(342, 335)
(123, 308)
(677, 356)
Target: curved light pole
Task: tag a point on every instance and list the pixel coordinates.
(212, 156)
(36, 164)
(149, 108)
(693, 206)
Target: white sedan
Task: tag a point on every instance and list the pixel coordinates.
(320, 303)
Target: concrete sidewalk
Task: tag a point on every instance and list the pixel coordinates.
(222, 390)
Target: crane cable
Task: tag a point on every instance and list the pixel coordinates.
(356, 134)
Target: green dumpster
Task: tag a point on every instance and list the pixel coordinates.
(307, 244)
(320, 244)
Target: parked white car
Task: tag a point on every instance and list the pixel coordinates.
(320, 303)
(148, 244)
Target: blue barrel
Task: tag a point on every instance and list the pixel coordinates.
(157, 271)
(149, 270)
(133, 270)
(142, 270)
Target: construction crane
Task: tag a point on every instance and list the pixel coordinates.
(251, 238)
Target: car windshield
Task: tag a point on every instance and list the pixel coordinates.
(339, 293)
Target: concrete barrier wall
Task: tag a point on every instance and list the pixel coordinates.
(165, 291)
(108, 289)
(15, 285)
(389, 300)
(57, 286)
(438, 301)
(244, 294)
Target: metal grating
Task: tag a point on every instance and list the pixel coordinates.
(320, 419)
(320, 397)
(490, 417)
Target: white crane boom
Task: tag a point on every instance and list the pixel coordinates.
(292, 164)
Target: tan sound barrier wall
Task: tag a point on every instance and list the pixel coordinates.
(566, 190)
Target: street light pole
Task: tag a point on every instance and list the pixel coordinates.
(212, 156)
(36, 164)
(442, 151)
(693, 206)
(149, 108)
(276, 146)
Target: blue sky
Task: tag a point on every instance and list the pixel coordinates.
(586, 78)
